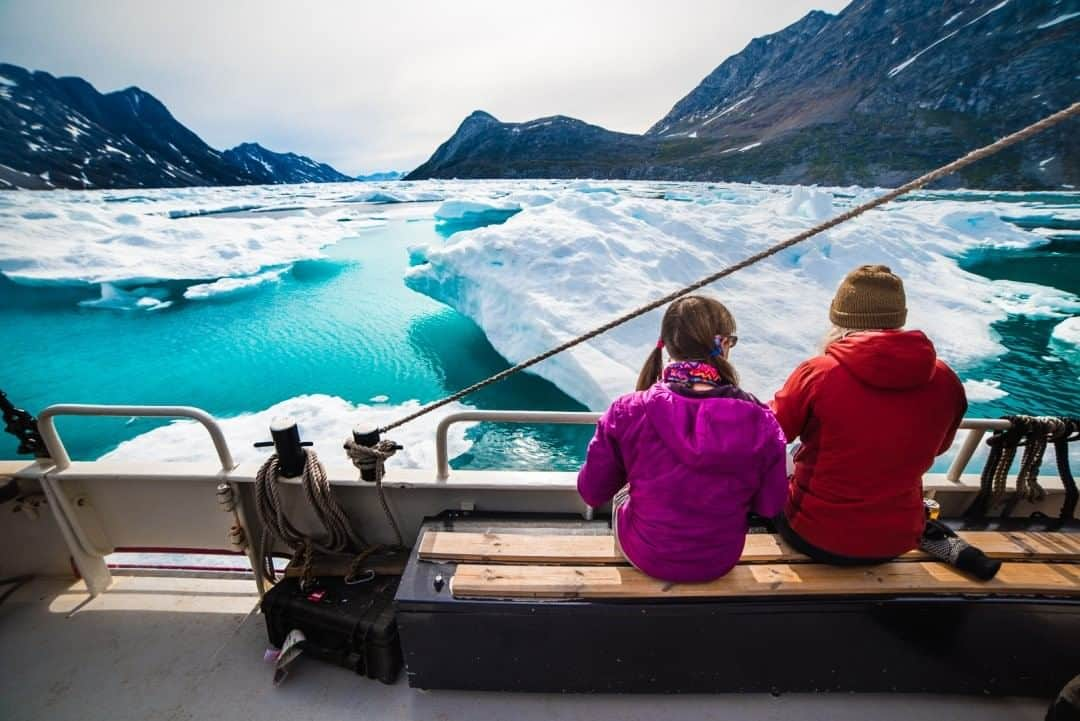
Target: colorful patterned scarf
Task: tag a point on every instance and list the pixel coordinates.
(687, 373)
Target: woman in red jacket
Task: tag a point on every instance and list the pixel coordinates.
(872, 412)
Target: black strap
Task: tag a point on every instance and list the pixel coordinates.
(23, 426)
(1061, 451)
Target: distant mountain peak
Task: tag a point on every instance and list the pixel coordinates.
(281, 167)
(481, 115)
(63, 133)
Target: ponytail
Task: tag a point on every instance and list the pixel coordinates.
(726, 370)
(650, 372)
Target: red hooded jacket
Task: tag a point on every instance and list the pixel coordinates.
(872, 412)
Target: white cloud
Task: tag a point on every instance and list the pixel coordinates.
(368, 86)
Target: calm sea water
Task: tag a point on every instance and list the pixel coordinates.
(346, 325)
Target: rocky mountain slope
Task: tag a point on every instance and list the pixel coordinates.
(555, 147)
(873, 95)
(62, 133)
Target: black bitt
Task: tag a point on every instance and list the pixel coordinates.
(366, 436)
(287, 445)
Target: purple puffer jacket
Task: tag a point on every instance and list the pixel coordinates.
(696, 463)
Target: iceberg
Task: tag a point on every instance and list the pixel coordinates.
(556, 270)
(323, 419)
(472, 210)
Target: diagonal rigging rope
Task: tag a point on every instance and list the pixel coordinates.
(922, 180)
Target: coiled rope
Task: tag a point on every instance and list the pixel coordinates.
(975, 155)
(1034, 433)
(340, 538)
(373, 458)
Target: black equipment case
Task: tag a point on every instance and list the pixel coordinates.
(350, 625)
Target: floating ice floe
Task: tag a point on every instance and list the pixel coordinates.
(325, 420)
(126, 240)
(232, 286)
(983, 391)
(1065, 338)
(113, 298)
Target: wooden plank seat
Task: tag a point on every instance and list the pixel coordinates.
(588, 550)
(767, 579)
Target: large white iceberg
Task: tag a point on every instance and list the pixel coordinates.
(553, 271)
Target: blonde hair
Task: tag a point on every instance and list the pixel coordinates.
(836, 333)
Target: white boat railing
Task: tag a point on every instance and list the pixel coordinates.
(976, 428)
(59, 455)
(59, 474)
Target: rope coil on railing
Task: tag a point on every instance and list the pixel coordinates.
(1034, 433)
(373, 459)
(915, 184)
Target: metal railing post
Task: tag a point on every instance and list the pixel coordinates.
(976, 428)
(89, 558)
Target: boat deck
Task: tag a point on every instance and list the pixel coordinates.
(168, 647)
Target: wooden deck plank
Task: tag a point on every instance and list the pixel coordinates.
(613, 582)
(465, 547)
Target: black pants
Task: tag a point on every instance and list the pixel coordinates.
(821, 556)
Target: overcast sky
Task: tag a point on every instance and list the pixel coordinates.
(371, 86)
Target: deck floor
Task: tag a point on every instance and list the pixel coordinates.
(179, 649)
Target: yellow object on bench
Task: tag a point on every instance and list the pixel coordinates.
(581, 550)
(774, 579)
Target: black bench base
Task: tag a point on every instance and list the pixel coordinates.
(998, 646)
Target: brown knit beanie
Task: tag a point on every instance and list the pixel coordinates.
(870, 297)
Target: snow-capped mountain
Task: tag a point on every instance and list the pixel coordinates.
(62, 133)
(881, 91)
(281, 167)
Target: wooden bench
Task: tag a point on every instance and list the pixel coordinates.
(497, 604)
(582, 550)
(507, 565)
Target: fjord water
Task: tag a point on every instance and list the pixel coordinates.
(347, 325)
(1037, 380)
(344, 325)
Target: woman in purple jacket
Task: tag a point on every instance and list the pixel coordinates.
(688, 454)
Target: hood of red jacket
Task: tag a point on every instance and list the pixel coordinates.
(887, 359)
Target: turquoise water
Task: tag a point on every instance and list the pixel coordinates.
(345, 325)
(1037, 381)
